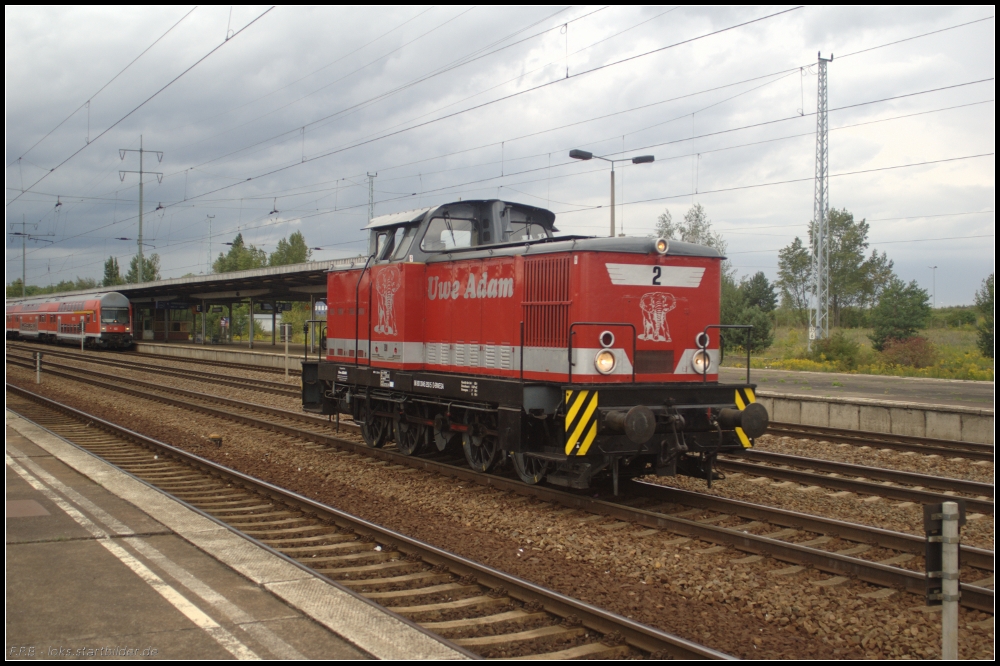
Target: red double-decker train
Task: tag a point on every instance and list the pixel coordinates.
(96, 320)
(474, 322)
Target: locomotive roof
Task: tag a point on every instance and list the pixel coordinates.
(415, 215)
(392, 219)
(629, 245)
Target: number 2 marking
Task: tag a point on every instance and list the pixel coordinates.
(656, 275)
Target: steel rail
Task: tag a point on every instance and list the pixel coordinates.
(261, 385)
(808, 478)
(876, 473)
(636, 634)
(978, 558)
(890, 492)
(925, 445)
(872, 572)
(851, 485)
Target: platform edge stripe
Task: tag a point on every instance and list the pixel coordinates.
(232, 550)
(381, 635)
(197, 617)
(206, 592)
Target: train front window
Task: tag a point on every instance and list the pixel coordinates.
(114, 315)
(404, 237)
(518, 227)
(449, 233)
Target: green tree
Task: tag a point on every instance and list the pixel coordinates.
(112, 274)
(984, 303)
(745, 303)
(240, 257)
(795, 279)
(696, 228)
(902, 310)
(80, 284)
(150, 269)
(291, 251)
(852, 275)
(665, 225)
(14, 289)
(758, 292)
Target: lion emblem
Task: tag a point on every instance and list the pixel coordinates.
(655, 306)
(387, 283)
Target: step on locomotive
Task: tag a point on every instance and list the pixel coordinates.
(476, 324)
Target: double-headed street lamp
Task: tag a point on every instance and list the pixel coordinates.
(584, 155)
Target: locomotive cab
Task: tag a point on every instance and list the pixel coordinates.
(475, 325)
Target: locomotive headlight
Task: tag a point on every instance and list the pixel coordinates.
(701, 361)
(662, 245)
(604, 361)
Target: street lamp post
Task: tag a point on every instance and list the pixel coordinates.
(584, 155)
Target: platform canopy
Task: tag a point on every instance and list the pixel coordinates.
(295, 282)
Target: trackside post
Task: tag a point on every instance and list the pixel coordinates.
(941, 524)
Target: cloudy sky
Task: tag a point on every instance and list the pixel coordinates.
(275, 129)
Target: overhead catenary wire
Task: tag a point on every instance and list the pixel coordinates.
(575, 173)
(662, 101)
(112, 80)
(556, 165)
(141, 104)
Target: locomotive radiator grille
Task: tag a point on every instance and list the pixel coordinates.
(581, 421)
(546, 301)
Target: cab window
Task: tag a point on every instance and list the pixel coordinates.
(449, 233)
(518, 227)
(404, 238)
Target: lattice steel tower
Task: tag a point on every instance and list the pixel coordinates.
(819, 315)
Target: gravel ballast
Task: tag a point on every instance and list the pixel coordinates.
(744, 606)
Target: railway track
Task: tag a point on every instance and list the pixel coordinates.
(979, 501)
(925, 445)
(905, 443)
(815, 534)
(478, 608)
(261, 385)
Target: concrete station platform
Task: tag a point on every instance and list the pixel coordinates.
(938, 408)
(102, 565)
(912, 406)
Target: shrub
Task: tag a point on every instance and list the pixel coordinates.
(984, 303)
(960, 318)
(915, 352)
(902, 309)
(839, 348)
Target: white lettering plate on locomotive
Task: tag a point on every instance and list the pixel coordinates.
(656, 276)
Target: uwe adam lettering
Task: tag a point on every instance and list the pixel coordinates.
(483, 287)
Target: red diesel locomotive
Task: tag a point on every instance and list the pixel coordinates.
(474, 323)
(100, 320)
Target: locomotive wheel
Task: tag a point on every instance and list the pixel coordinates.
(481, 449)
(375, 430)
(411, 438)
(529, 469)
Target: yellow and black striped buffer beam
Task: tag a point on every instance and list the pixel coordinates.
(581, 421)
(744, 397)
